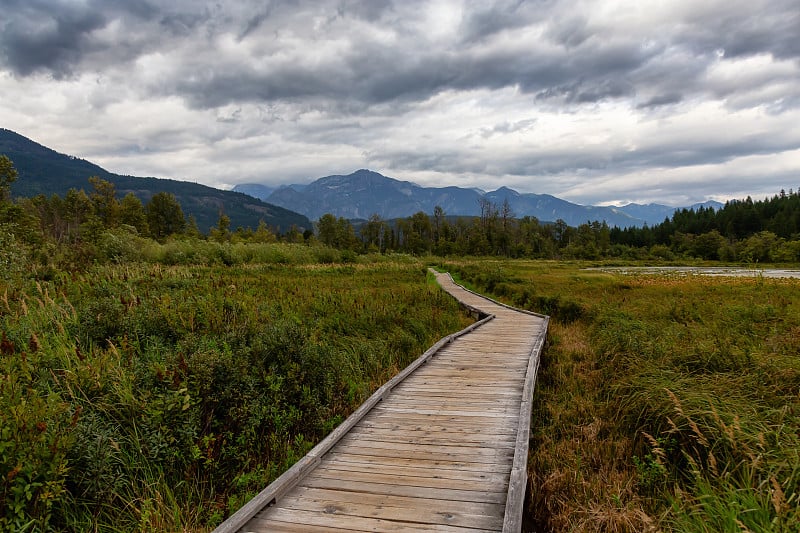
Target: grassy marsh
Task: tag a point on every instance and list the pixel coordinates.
(664, 403)
(153, 397)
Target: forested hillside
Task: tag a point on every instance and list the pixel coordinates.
(43, 171)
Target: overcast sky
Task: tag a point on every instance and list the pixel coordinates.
(596, 102)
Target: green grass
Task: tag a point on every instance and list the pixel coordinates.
(160, 396)
(663, 403)
(162, 390)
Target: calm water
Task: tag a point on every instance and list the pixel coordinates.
(705, 271)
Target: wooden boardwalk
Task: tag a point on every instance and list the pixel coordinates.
(441, 447)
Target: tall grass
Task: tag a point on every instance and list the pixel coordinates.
(161, 395)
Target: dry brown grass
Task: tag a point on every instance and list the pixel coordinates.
(580, 476)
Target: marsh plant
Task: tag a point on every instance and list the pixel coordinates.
(160, 396)
(663, 402)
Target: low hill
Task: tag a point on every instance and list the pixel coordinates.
(45, 171)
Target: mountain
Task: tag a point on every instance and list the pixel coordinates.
(549, 208)
(262, 191)
(654, 214)
(45, 171)
(364, 193)
(256, 190)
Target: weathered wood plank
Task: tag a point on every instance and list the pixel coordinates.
(436, 453)
(281, 520)
(421, 462)
(395, 425)
(397, 508)
(410, 480)
(451, 474)
(403, 490)
(463, 437)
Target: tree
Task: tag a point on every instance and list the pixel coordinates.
(439, 223)
(164, 215)
(104, 199)
(222, 232)
(77, 210)
(326, 230)
(8, 175)
(337, 233)
(131, 212)
(373, 232)
(263, 233)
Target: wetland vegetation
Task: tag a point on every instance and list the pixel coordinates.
(664, 402)
(153, 380)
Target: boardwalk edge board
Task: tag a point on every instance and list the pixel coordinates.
(309, 462)
(515, 501)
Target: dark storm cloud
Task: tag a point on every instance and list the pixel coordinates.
(572, 60)
(774, 29)
(41, 35)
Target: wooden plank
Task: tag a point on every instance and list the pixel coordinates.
(397, 508)
(408, 480)
(441, 389)
(476, 440)
(467, 438)
(277, 519)
(460, 422)
(470, 453)
(440, 405)
(487, 402)
(452, 412)
(440, 455)
(426, 428)
(402, 490)
(476, 422)
(466, 400)
(452, 474)
(449, 463)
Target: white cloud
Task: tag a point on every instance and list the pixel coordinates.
(592, 101)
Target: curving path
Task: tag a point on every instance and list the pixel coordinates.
(442, 447)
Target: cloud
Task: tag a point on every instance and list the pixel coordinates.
(571, 95)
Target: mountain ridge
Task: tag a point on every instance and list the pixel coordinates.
(366, 192)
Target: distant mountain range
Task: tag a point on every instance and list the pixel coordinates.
(45, 171)
(364, 193)
(355, 196)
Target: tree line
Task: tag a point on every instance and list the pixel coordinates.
(743, 230)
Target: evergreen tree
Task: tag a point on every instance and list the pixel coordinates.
(132, 213)
(164, 215)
